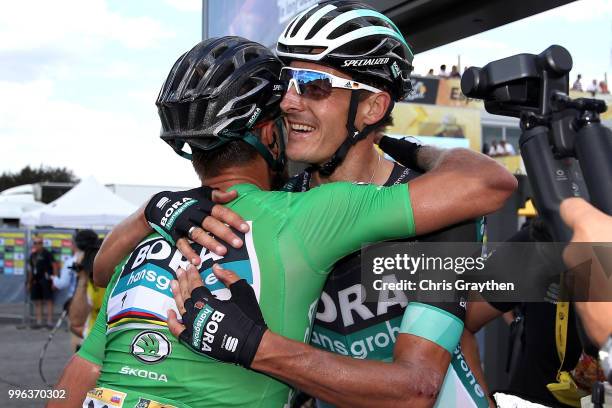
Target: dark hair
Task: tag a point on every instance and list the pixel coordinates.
(210, 163)
(443, 67)
(84, 239)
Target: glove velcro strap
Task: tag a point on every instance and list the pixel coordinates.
(249, 348)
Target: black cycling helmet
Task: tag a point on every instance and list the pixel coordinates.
(217, 92)
(352, 37)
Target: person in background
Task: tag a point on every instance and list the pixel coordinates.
(577, 86)
(443, 73)
(87, 298)
(603, 87)
(455, 72)
(508, 148)
(42, 268)
(485, 148)
(430, 73)
(593, 88)
(494, 150)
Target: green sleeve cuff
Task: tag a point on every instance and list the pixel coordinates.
(86, 355)
(433, 324)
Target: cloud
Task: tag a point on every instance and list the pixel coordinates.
(117, 147)
(578, 11)
(28, 65)
(186, 5)
(119, 69)
(74, 26)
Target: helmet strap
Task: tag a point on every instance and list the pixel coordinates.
(352, 137)
(277, 164)
(177, 146)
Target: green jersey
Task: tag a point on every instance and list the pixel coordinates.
(294, 241)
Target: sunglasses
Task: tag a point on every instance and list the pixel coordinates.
(38, 242)
(317, 84)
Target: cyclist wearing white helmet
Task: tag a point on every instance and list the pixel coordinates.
(350, 45)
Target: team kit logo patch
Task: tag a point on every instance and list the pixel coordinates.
(150, 347)
(141, 297)
(101, 397)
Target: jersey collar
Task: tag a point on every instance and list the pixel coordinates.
(244, 188)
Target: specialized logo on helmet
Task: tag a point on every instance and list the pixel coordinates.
(364, 62)
(150, 347)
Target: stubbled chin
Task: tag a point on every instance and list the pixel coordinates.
(299, 150)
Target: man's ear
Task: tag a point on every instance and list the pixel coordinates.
(374, 107)
(269, 137)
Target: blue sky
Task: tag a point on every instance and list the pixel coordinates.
(583, 27)
(78, 79)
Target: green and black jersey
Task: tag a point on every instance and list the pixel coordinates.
(348, 325)
(294, 241)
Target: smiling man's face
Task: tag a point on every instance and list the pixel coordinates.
(315, 128)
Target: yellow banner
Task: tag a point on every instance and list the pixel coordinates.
(449, 94)
(430, 120)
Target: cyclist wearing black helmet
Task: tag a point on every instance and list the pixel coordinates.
(218, 99)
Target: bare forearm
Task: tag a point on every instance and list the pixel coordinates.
(78, 377)
(462, 185)
(429, 157)
(345, 381)
(79, 308)
(118, 244)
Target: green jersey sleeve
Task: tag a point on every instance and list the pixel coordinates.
(94, 346)
(335, 219)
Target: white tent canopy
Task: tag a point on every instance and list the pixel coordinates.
(88, 205)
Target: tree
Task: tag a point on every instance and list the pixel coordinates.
(29, 175)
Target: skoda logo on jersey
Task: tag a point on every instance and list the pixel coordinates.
(150, 347)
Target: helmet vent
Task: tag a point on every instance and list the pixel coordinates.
(377, 22)
(343, 29)
(299, 24)
(316, 28)
(216, 53)
(251, 55)
(223, 73)
(195, 79)
(247, 86)
(365, 47)
(182, 115)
